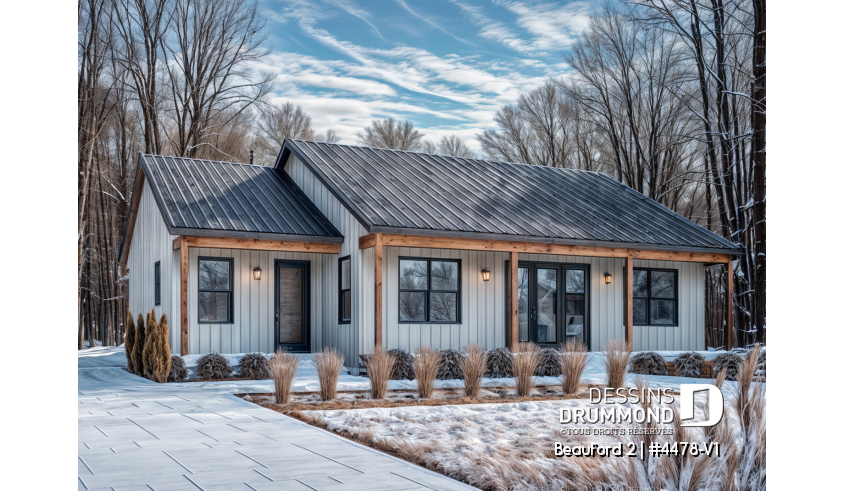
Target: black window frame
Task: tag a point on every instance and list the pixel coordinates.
(649, 298)
(340, 290)
(428, 291)
(157, 283)
(230, 291)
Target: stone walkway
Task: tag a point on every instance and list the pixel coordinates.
(138, 435)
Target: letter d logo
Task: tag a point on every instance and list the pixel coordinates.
(715, 402)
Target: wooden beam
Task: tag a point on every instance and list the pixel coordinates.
(394, 240)
(629, 301)
(255, 244)
(513, 300)
(378, 255)
(729, 306)
(184, 299)
(367, 241)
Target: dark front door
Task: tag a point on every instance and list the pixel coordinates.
(292, 323)
(553, 303)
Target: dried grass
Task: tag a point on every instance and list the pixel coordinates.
(616, 357)
(473, 366)
(425, 370)
(329, 364)
(283, 367)
(379, 368)
(573, 361)
(526, 357)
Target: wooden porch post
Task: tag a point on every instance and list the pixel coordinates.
(629, 301)
(378, 254)
(729, 306)
(183, 252)
(513, 300)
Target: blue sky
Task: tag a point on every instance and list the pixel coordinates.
(446, 65)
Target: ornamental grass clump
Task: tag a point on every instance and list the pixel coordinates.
(573, 361)
(425, 370)
(549, 365)
(213, 366)
(178, 370)
(329, 364)
(379, 368)
(138, 348)
(648, 363)
(616, 357)
(254, 366)
(473, 366)
(283, 367)
(499, 363)
(526, 357)
(129, 342)
(689, 364)
(450, 365)
(403, 367)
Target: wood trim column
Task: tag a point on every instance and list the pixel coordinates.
(513, 300)
(729, 306)
(184, 298)
(378, 255)
(629, 301)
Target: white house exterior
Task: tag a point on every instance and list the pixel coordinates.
(589, 252)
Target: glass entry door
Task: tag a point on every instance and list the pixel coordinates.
(292, 304)
(552, 303)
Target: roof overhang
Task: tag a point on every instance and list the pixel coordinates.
(237, 234)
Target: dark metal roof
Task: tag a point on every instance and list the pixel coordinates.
(392, 191)
(226, 199)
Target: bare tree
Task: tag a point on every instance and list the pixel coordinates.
(280, 122)
(208, 57)
(453, 145)
(389, 133)
(330, 136)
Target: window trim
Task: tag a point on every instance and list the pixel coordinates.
(648, 298)
(230, 291)
(340, 290)
(157, 283)
(428, 291)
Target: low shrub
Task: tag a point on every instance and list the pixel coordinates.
(549, 365)
(403, 367)
(283, 367)
(729, 362)
(450, 365)
(648, 363)
(473, 366)
(426, 365)
(526, 357)
(379, 368)
(329, 364)
(129, 343)
(254, 366)
(213, 366)
(689, 364)
(573, 361)
(499, 363)
(178, 370)
(616, 354)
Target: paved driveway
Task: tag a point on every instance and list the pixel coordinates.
(138, 435)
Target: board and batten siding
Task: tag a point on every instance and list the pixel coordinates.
(350, 339)
(152, 242)
(483, 305)
(253, 302)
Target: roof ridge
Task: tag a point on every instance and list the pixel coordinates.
(201, 160)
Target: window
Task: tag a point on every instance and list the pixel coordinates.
(345, 286)
(215, 290)
(157, 282)
(655, 297)
(429, 290)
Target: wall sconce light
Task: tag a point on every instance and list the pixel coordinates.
(607, 278)
(256, 273)
(485, 274)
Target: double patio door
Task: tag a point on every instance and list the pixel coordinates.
(552, 303)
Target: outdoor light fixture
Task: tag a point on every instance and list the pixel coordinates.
(256, 273)
(607, 278)
(485, 274)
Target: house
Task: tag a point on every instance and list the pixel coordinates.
(350, 247)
